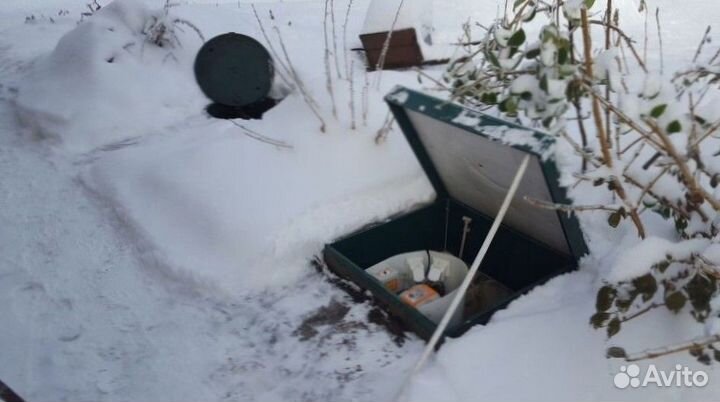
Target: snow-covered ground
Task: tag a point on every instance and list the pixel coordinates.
(148, 252)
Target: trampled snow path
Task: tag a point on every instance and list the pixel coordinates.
(91, 320)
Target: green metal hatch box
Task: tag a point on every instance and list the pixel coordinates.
(468, 158)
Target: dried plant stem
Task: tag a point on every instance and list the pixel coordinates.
(384, 130)
(608, 19)
(346, 57)
(601, 134)
(645, 29)
(578, 111)
(386, 45)
(704, 40)
(259, 137)
(640, 312)
(351, 79)
(284, 71)
(365, 98)
(660, 41)
(328, 76)
(306, 96)
(596, 111)
(657, 352)
(636, 183)
(334, 34)
(650, 185)
(431, 78)
(697, 192)
(624, 118)
(568, 208)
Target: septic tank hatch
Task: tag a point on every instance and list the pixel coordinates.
(236, 72)
(471, 159)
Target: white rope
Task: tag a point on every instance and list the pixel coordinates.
(468, 278)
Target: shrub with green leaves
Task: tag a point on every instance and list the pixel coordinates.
(646, 136)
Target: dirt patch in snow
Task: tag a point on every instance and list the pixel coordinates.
(335, 312)
(332, 314)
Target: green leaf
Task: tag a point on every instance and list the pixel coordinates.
(646, 285)
(624, 304)
(613, 327)
(675, 301)
(589, 3)
(563, 55)
(517, 39)
(489, 98)
(544, 83)
(663, 266)
(680, 224)
(490, 56)
(605, 297)
(658, 110)
(599, 319)
(615, 352)
(714, 180)
(674, 127)
(530, 16)
(716, 354)
(517, 3)
(532, 53)
(614, 219)
(700, 290)
(508, 106)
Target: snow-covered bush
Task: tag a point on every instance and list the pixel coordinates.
(162, 28)
(646, 136)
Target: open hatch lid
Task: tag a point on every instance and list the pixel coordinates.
(472, 157)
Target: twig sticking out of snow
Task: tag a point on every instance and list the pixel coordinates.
(345, 45)
(705, 39)
(328, 74)
(660, 41)
(306, 96)
(92, 7)
(351, 79)
(386, 46)
(365, 98)
(334, 34)
(384, 130)
(259, 137)
(285, 73)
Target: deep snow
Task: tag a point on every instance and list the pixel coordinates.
(150, 253)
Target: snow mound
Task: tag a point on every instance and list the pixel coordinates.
(231, 213)
(104, 70)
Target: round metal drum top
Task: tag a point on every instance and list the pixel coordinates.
(234, 70)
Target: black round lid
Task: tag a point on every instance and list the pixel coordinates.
(234, 70)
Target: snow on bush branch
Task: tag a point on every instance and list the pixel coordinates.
(649, 138)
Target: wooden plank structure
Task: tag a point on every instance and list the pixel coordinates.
(410, 22)
(403, 50)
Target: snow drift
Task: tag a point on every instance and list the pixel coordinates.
(103, 72)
